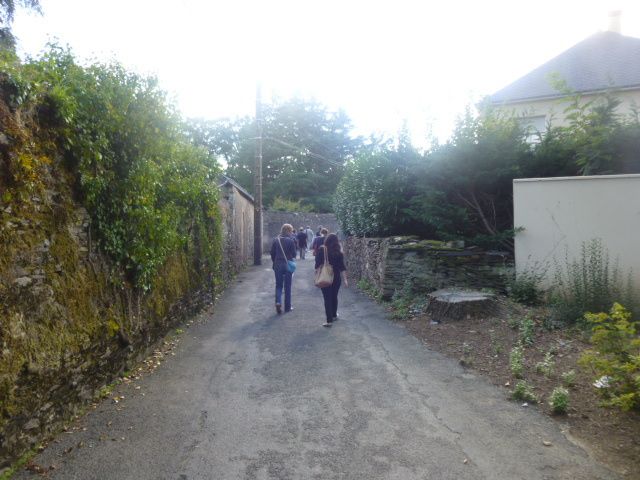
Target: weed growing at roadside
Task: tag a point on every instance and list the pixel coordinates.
(513, 322)
(568, 378)
(516, 361)
(496, 346)
(546, 366)
(369, 288)
(527, 327)
(466, 354)
(589, 284)
(525, 287)
(559, 400)
(523, 391)
(401, 301)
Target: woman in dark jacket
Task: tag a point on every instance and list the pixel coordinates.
(332, 249)
(283, 249)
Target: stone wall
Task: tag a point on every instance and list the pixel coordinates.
(424, 265)
(236, 206)
(70, 323)
(272, 222)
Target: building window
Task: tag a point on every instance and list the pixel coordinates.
(534, 128)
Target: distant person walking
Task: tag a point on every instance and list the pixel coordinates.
(319, 231)
(283, 249)
(310, 236)
(335, 257)
(319, 240)
(302, 242)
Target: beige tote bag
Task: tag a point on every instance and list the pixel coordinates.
(324, 274)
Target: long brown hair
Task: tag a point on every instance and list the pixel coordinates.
(333, 244)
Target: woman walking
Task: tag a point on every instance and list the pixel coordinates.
(333, 252)
(283, 249)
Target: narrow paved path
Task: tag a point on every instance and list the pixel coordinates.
(253, 395)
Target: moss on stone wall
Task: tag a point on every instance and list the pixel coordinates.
(70, 319)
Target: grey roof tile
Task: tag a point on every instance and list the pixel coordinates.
(602, 61)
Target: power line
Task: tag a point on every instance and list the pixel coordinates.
(302, 151)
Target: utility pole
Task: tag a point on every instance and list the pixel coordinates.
(257, 185)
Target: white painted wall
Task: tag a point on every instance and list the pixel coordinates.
(560, 213)
(553, 110)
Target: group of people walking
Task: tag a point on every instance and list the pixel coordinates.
(324, 246)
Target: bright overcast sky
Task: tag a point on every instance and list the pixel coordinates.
(381, 61)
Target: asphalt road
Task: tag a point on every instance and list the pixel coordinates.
(253, 395)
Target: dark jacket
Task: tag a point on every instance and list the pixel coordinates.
(317, 243)
(336, 261)
(302, 240)
(289, 247)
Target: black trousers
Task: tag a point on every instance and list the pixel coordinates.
(330, 296)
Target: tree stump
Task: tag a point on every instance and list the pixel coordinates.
(457, 304)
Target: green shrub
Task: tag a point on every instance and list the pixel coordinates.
(559, 400)
(525, 287)
(588, 284)
(150, 192)
(527, 327)
(615, 356)
(568, 378)
(546, 366)
(523, 391)
(516, 361)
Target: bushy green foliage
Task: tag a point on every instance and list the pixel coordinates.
(588, 283)
(462, 189)
(287, 205)
(148, 189)
(615, 356)
(373, 195)
(524, 391)
(559, 400)
(516, 361)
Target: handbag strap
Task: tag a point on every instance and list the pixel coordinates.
(326, 255)
(283, 254)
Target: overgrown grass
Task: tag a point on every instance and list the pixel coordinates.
(589, 283)
(18, 465)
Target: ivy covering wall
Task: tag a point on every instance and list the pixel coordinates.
(110, 232)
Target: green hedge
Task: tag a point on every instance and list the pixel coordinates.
(148, 189)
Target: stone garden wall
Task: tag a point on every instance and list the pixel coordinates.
(424, 265)
(272, 222)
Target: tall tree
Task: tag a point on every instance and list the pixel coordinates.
(7, 11)
(305, 146)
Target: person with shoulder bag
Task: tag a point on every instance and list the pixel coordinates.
(283, 255)
(329, 258)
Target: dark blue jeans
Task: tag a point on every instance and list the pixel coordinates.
(283, 279)
(330, 296)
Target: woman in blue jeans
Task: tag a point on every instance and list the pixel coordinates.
(283, 249)
(332, 249)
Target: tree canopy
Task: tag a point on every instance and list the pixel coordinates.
(7, 11)
(305, 147)
(462, 189)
